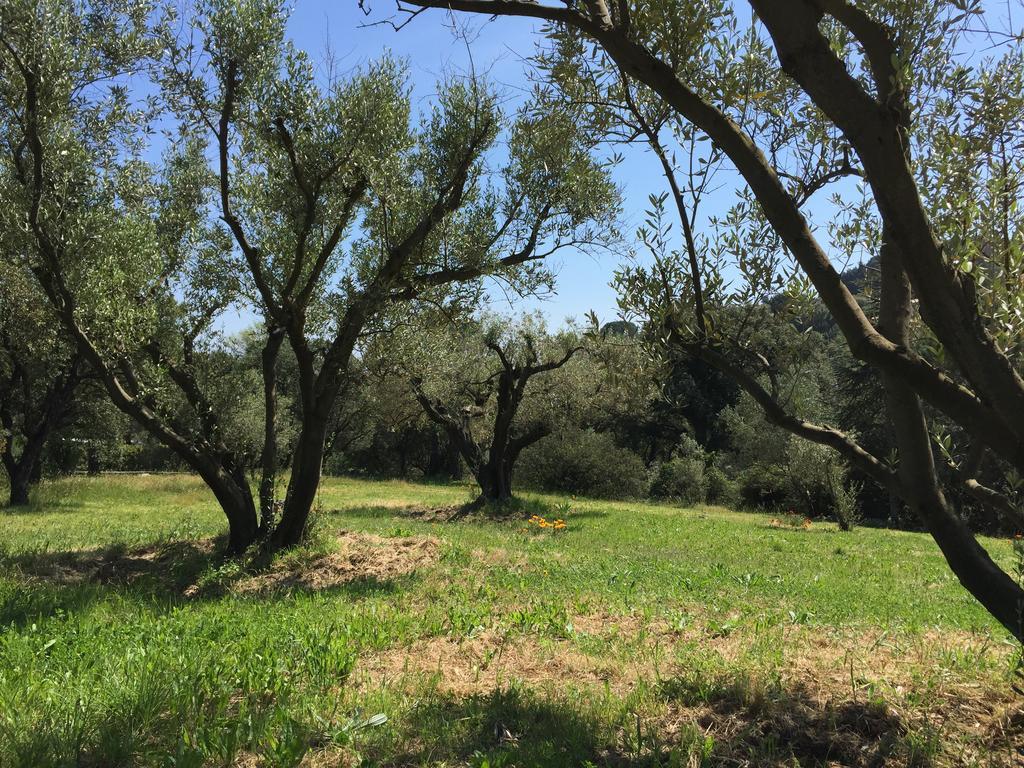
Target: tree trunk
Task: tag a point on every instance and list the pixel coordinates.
(494, 475)
(92, 460)
(231, 489)
(23, 472)
(403, 459)
(495, 481)
(452, 460)
(19, 480)
(26, 469)
(505, 475)
(307, 463)
(973, 566)
(268, 457)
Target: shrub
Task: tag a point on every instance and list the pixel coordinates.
(582, 462)
(819, 484)
(689, 448)
(721, 489)
(845, 505)
(809, 469)
(681, 479)
(764, 486)
(813, 483)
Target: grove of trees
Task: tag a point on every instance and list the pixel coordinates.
(163, 169)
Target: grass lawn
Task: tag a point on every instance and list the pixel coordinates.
(641, 635)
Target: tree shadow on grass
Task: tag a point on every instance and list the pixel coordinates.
(809, 725)
(787, 726)
(56, 504)
(515, 510)
(692, 723)
(165, 566)
(39, 584)
(371, 512)
(506, 727)
(42, 583)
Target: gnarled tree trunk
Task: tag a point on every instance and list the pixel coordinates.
(37, 425)
(231, 488)
(492, 465)
(919, 482)
(307, 464)
(18, 477)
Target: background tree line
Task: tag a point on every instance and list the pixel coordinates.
(615, 420)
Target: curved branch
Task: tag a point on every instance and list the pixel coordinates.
(842, 443)
(250, 252)
(684, 218)
(996, 501)
(554, 364)
(457, 428)
(992, 422)
(877, 131)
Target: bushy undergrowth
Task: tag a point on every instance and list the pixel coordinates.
(806, 479)
(680, 479)
(721, 489)
(763, 486)
(585, 463)
(812, 482)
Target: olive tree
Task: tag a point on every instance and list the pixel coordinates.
(39, 375)
(324, 205)
(814, 90)
(341, 207)
(479, 376)
(118, 244)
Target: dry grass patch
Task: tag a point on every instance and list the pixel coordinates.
(828, 697)
(490, 660)
(183, 566)
(358, 557)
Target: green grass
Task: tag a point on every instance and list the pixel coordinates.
(641, 635)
